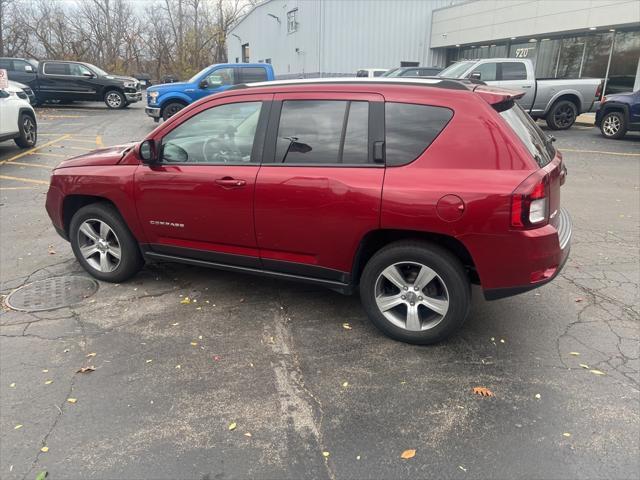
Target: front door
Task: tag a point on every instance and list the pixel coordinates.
(216, 80)
(198, 202)
(319, 189)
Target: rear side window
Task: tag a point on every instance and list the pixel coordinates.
(513, 71)
(362, 73)
(6, 64)
(54, 68)
(252, 74)
(532, 136)
(323, 132)
(410, 129)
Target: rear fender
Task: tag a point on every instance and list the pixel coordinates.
(569, 92)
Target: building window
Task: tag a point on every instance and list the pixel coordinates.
(245, 53)
(267, 60)
(292, 22)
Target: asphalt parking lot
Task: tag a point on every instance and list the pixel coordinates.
(252, 378)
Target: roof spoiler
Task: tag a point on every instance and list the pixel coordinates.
(500, 99)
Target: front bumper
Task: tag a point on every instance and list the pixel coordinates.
(153, 112)
(133, 97)
(539, 259)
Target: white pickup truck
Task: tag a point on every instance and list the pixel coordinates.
(559, 101)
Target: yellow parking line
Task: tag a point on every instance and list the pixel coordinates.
(602, 152)
(69, 147)
(47, 154)
(37, 165)
(82, 140)
(35, 149)
(20, 179)
(17, 188)
(99, 141)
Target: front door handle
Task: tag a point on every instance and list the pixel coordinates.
(229, 182)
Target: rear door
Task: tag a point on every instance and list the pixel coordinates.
(58, 82)
(318, 190)
(514, 75)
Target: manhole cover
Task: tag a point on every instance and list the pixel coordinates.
(51, 293)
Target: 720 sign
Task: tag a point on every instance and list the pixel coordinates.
(523, 52)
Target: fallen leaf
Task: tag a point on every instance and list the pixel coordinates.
(92, 354)
(175, 324)
(149, 361)
(178, 367)
(357, 457)
(18, 427)
(407, 454)
(484, 391)
(66, 350)
(88, 369)
(579, 299)
(232, 426)
(185, 301)
(462, 468)
(46, 370)
(575, 354)
(247, 434)
(72, 400)
(51, 250)
(584, 366)
(346, 326)
(13, 385)
(597, 372)
(44, 449)
(216, 358)
(502, 340)
(325, 454)
(199, 337)
(566, 434)
(48, 382)
(194, 344)
(42, 475)
(493, 339)
(538, 396)
(345, 384)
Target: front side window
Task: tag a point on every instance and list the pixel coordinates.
(220, 77)
(292, 20)
(55, 68)
(323, 132)
(362, 73)
(220, 135)
(253, 74)
(513, 71)
(22, 66)
(487, 71)
(410, 129)
(6, 64)
(79, 70)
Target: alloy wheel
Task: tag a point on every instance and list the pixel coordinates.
(564, 116)
(412, 296)
(99, 245)
(114, 100)
(29, 129)
(611, 125)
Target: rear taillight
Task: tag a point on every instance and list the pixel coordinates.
(530, 202)
(599, 90)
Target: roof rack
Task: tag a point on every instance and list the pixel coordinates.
(437, 82)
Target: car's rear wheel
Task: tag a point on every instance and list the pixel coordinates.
(415, 292)
(562, 115)
(171, 109)
(28, 131)
(613, 125)
(103, 244)
(115, 99)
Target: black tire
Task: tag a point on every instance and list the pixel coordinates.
(171, 109)
(28, 131)
(130, 261)
(450, 273)
(613, 125)
(562, 115)
(115, 100)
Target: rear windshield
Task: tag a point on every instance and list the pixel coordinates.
(536, 141)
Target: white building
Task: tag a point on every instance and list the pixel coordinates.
(564, 38)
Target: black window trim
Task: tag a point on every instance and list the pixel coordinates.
(376, 133)
(240, 75)
(258, 139)
(453, 114)
(499, 76)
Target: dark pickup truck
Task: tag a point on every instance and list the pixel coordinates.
(66, 81)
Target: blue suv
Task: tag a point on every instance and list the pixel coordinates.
(619, 113)
(167, 99)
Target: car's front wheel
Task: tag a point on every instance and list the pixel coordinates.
(171, 109)
(103, 244)
(613, 125)
(28, 131)
(115, 99)
(415, 292)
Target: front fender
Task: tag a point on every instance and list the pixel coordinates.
(164, 100)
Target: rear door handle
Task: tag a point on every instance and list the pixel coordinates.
(229, 182)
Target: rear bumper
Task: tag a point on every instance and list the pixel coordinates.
(540, 258)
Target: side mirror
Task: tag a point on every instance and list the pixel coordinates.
(147, 152)
(88, 75)
(4, 94)
(475, 76)
(203, 83)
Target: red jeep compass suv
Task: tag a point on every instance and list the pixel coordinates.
(409, 190)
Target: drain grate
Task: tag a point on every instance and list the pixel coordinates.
(51, 293)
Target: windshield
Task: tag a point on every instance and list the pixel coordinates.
(538, 144)
(396, 72)
(197, 75)
(97, 70)
(456, 70)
